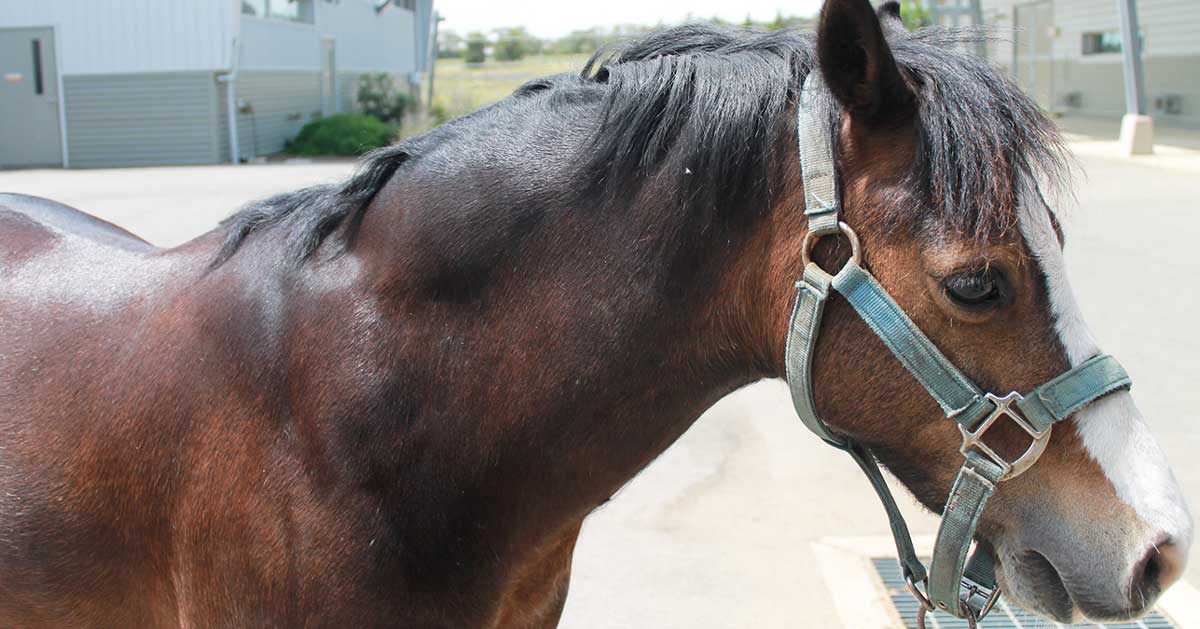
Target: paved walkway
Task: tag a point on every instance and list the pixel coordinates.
(720, 531)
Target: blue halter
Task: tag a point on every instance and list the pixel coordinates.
(958, 586)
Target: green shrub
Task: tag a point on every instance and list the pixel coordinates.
(343, 134)
(379, 97)
(476, 48)
(512, 44)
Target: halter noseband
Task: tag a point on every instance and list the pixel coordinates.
(958, 586)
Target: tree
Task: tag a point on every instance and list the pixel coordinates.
(915, 15)
(577, 42)
(476, 48)
(450, 45)
(514, 43)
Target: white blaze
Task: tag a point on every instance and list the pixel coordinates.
(1111, 428)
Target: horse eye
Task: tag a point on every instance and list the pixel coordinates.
(976, 290)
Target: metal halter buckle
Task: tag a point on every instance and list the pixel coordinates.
(989, 598)
(968, 613)
(973, 440)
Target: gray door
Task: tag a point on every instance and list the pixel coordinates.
(29, 134)
(1035, 51)
(329, 87)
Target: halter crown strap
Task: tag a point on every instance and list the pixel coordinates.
(816, 157)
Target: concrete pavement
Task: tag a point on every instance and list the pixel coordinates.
(719, 532)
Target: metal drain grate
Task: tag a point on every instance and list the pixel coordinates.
(1002, 617)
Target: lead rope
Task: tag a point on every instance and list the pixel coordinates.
(958, 586)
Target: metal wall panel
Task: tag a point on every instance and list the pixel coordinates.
(141, 119)
(122, 36)
(1169, 26)
(279, 103)
(1172, 52)
(365, 40)
(368, 41)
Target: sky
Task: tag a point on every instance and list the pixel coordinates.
(554, 18)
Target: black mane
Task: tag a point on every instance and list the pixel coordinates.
(702, 110)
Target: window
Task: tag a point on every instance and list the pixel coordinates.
(1108, 42)
(38, 87)
(286, 10)
(380, 5)
(291, 10)
(257, 8)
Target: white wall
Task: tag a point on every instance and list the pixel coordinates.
(1172, 55)
(123, 36)
(1170, 27)
(366, 41)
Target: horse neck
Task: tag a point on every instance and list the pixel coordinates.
(532, 388)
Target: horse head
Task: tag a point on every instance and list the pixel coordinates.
(940, 160)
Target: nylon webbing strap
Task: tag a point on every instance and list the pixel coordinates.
(811, 293)
(816, 157)
(975, 484)
(959, 398)
(981, 568)
(1058, 399)
(909, 562)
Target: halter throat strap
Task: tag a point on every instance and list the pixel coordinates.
(954, 584)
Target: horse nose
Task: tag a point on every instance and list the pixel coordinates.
(1161, 566)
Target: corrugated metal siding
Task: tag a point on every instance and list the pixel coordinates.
(1102, 87)
(282, 103)
(279, 45)
(141, 119)
(1170, 26)
(120, 36)
(1172, 54)
(365, 41)
(222, 115)
(368, 41)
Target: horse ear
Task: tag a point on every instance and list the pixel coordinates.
(857, 62)
(889, 17)
(888, 10)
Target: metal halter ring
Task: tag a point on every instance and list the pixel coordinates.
(916, 591)
(810, 241)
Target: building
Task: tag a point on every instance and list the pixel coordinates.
(1067, 54)
(146, 82)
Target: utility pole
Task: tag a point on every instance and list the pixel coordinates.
(433, 54)
(1137, 128)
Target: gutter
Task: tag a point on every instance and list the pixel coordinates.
(230, 80)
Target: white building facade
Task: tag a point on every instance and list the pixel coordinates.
(1067, 54)
(146, 82)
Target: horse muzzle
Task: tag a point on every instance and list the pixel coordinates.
(1068, 584)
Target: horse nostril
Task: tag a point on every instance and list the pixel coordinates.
(1162, 566)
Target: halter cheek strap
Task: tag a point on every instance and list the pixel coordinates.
(955, 584)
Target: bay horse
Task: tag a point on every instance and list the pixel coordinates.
(393, 401)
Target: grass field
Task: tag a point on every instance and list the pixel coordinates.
(460, 89)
